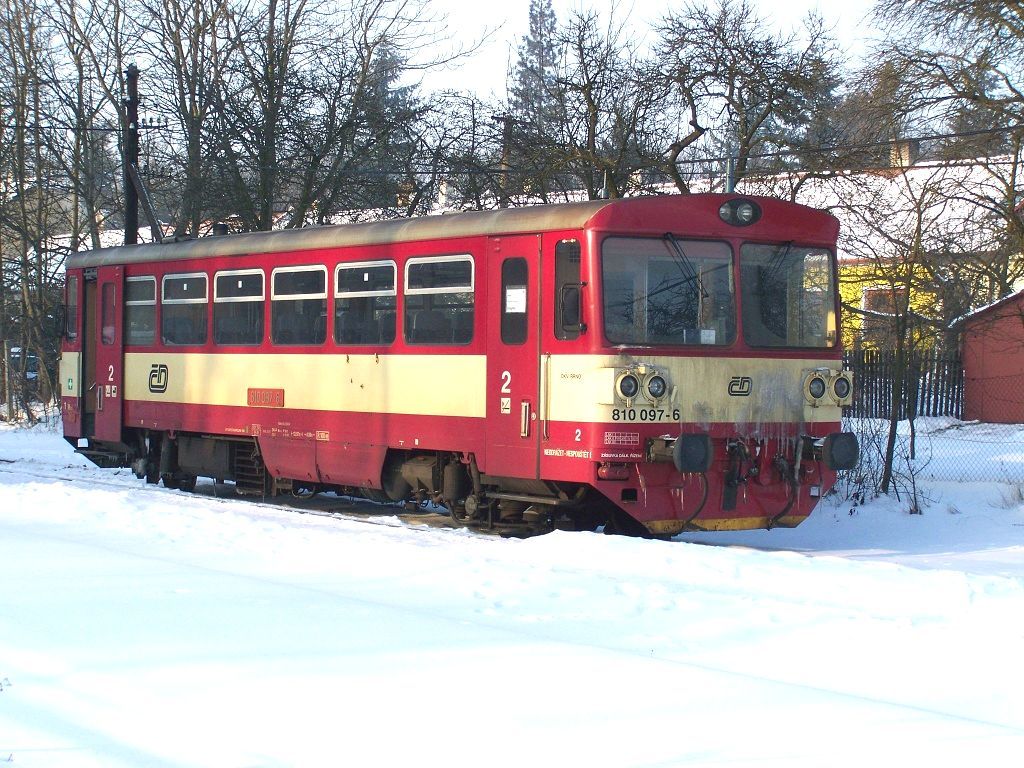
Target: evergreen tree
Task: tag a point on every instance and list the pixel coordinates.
(534, 87)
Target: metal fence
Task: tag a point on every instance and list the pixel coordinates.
(939, 446)
(942, 448)
(932, 383)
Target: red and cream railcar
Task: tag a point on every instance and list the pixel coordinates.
(668, 361)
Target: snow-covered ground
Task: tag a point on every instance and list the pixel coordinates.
(147, 627)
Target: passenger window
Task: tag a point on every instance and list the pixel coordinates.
(298, 305)
(109, 330)
(514, 301)
(140, 310)
(364, 303)
(238, 299)
(183, 309)
(568, 297)
(71, 328)
(439, 300)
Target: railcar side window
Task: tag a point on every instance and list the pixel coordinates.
(788, 295)
(439, 300)
(71, 329)
(108, 331)
(183, 309)
(140, 310)
(298, 305)
(364, 303)
(667, 291)
(567, 287)
(514, 300)
(238, 307)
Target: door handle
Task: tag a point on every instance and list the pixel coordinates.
(524, 419)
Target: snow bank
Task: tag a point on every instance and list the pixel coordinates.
(140, 626)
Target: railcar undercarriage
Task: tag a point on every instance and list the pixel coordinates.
(508, 506)
(679, 474)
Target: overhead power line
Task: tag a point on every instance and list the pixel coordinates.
(853, 147)
(162, 125)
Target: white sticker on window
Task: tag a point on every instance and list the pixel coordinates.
(515, 300)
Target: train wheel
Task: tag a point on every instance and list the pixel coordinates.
(621, 524)
(459, 515)
(180, 482)
(378, 497)
(471, 512)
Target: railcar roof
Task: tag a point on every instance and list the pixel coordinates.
(638, 213)
(507, 221)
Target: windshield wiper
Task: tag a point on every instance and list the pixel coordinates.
(778, 259)
(683, 262)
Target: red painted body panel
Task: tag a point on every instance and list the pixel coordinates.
(326, 446)
(109, 353)
(513, 377)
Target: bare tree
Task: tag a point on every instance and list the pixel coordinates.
(32, 210)
(753, 92)
(585, 131)
(961, 68)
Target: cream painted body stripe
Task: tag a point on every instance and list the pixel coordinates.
(577, 388)
(581, 388)
(435, 385)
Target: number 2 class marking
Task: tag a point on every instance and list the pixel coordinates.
(579, 435)
(506, 383)
(110, 373)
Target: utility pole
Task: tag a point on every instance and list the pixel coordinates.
(134, 191)
(506, 140)
(730, 168)
(131, 157)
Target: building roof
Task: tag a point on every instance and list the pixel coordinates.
(988, 309)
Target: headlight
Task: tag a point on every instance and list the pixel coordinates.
(628, 386)
(745, 213)
(842, 388)
(656, 387)
(739, 212)
(815, 387)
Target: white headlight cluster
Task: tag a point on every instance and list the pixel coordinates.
(642, 381)
(836, 386)
(739, 212)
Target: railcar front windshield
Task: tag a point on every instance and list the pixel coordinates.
(788, 296)
(663, 290)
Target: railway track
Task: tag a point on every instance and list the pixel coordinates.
(322, 505)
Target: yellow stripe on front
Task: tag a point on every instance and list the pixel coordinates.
(432, 385)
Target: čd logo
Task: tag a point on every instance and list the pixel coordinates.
(740, 386)
(158, 376)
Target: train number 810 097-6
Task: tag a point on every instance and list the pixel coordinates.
(645, 414)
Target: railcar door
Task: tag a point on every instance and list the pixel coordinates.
(107, 386)
(513, 355)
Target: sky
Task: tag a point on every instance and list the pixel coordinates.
(507, 22)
